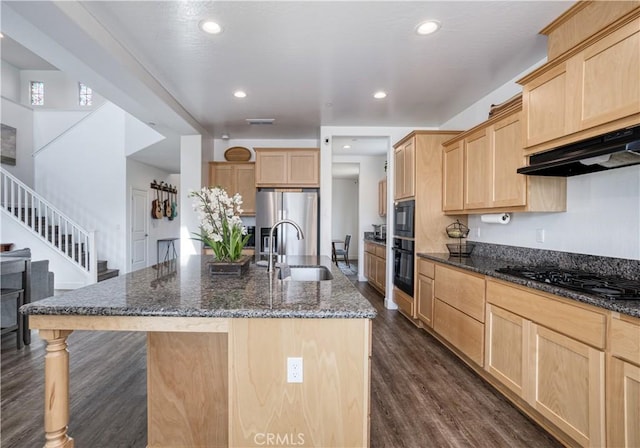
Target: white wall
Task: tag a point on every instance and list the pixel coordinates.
(220, 146)
(345, 217)
(140, 176)
(191, 168)
(20, 117)
(49, 124)
(60, 91)
(603, 209)
(83, 173)
(10, 82)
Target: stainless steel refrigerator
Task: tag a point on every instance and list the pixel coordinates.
(301, 207)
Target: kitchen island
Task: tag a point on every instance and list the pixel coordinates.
(217, 354)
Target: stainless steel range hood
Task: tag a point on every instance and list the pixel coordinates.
(612, 150)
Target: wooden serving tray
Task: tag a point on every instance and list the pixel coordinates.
(237, 154)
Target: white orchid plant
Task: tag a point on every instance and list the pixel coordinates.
(220, 225)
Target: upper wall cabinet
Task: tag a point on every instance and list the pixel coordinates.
(479, 171)
(405, 163)
(287, 167)
(236, 177)
(591, 89)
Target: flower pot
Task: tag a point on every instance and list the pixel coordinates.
(236, 268)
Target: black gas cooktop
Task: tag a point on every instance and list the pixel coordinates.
(615, 288)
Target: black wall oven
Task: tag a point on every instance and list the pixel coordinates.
(404, 219)
(403, 259)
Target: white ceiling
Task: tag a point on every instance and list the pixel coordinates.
(304, 63)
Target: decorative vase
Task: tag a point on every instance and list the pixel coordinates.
(236, 268)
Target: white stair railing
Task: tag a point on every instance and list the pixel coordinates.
(52, 226)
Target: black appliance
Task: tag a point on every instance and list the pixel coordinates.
(251, 231)
(403, 259)
(607, 287)
(612, 150)
(404, 219)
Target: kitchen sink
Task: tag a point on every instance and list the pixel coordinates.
(307, 273)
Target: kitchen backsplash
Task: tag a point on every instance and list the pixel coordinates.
(566, 260)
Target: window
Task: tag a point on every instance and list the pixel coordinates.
(86, 94)
(37, 93)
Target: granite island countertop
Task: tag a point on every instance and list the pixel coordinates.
(488, 265)
(173, 289)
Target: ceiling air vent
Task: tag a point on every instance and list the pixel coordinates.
(260, 120)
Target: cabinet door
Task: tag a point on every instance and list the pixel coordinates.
(509, 188)
(380, 274)
(398, 155)
(409, 168)
(506, 340)
(453, 181)
(623, 404)
(610, 73)
(478, 170)
(271, 168)
(245, 179)
(304, 168)
(567, 384)
(368, 271)
(425, 300)
(221, 175)
(546, 106)
(382, 197)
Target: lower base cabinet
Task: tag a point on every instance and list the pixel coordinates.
(561, 377)
(623, 384)
(405, 302)
(462, 331)
(425, 291)
(375, 265)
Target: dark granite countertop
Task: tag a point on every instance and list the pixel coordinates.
(172, 289)
(488, 265)
(370, 239)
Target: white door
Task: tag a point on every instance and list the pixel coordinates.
(139, 229)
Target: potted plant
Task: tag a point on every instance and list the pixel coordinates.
(221, 229)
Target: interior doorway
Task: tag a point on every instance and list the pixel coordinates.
(345, 205)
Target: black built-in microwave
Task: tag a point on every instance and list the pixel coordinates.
(404, 219)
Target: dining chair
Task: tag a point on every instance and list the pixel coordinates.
(344, 252)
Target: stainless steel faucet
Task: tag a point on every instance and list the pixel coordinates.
(282, 221)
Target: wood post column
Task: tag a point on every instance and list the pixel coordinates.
(56, 389)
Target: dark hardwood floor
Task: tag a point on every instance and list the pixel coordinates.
(421, 395)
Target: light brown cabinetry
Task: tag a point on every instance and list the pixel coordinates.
(453, 177)
(404, 162)
(405, 302)
(287, 167)
(375, 265)
(550, 353)
(591, 89)
(382, 197)
(623, 383)
(237, 177)
(459, 310)
(425, 291)
(487, 179)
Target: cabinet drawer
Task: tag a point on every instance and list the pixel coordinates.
(625, 340)
(370, 247)
(381, 251)
(463, 332)
(461, 290)
(579, 323)
(404, 302)
(426, 268)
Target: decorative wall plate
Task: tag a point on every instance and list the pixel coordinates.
(237, 154)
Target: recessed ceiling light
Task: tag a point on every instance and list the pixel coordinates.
(240, 94)
(380, 94)
(428, 27)
(211, 27)
(346, 147)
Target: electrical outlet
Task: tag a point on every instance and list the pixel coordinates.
(540, 235)
(294, 370)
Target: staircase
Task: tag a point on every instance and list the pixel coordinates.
(58, 231)
(104, 273)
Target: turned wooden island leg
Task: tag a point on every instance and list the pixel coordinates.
(56, 389)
